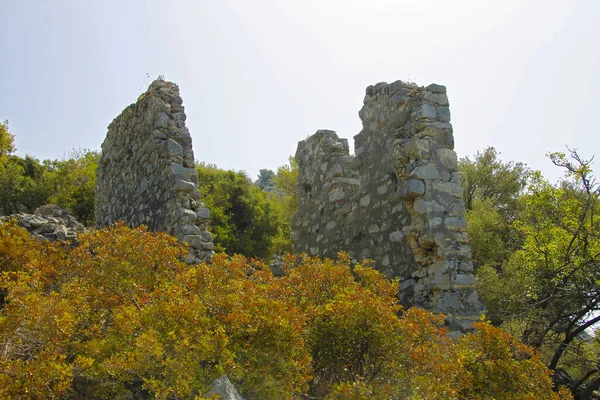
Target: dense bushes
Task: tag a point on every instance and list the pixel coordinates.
(120, 315)
(243, 221)
(26, 183)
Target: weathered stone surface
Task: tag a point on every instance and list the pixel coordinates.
(412, 189)
(48, 222)
(223, 389)
(146, 174)
(407, 213)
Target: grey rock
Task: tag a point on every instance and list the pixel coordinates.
(190, 230)
(48, 222)
(396, 236)
(443, 114)
(427, 111)
(464, 279)
(435, 88)
(174, 148)
(336, 195)
(412, 189)
(223, 387)
(454, 223)
(398, 119)
(193, 241)
(184, 186)
(426, 171)
(448, 159)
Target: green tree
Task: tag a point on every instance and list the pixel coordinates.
(243, 219)
(10, 173)
(487, 177)
(26, 183)
(548, 292)
(7, 142)
(491, 192)
(73, 182)
(265, 177)
(286, 204)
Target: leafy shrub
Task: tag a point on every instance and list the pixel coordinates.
(121, 316)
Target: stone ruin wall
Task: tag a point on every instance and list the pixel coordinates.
(146, 174)
(398, 201)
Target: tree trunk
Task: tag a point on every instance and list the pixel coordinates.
(586, 394)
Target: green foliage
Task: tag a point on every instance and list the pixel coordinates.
(7, 142)
(487, 177)
(491, 192)
(286, 204)
(120, 316)
(26, 183)
(488, 231)
(265, 178)
(548, 292)
(73, 181)
(243, 220)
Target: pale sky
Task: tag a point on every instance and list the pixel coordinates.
(257, 76)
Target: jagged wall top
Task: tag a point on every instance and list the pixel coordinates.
(398, 201)
(146, 173)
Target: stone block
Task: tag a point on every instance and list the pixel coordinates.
(466, 266)
(412, 189)
(398, 119)
(336, 195)
(194, 241)
(174, 148)
(203, 213)
(396, 237)
(425, 172)
(464, 279)
(448, 159)
(450, 302)
(365, 200)
(427, 111)
(435, 88)
(437, 98)
(184, 186)
(189, 229)
(432, 207)
(443, 114)
(455, 224)
(438, 268)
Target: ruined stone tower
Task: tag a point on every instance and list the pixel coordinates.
(146, 174)
(398, 201)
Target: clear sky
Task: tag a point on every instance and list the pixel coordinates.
(257, 76)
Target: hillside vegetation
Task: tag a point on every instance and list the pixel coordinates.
(120, 315)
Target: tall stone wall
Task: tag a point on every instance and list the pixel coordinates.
(146, 173)
(398, 201)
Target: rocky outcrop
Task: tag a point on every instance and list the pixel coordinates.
(48, 222)
(398, 201)
(146, 175)
(223, 389)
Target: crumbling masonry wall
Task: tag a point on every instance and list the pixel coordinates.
(398, 201)
(146, 174)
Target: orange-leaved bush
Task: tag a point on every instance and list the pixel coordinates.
(120, 315)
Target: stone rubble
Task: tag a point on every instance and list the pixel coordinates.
(48, 222)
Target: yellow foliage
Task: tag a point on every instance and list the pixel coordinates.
(121, 315)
